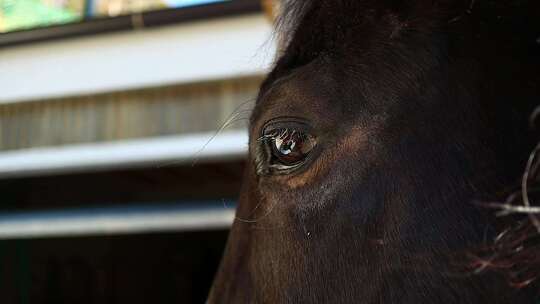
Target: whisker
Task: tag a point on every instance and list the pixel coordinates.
(525, 184)
(247, 220)
(259, 218)
(235, 116)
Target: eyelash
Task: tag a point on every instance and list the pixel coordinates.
(280, 133)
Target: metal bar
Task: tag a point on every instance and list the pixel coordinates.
(157, 152)
(178, 217)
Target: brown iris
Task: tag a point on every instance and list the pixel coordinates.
(292, 147)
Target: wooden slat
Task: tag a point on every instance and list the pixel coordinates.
(125, 115)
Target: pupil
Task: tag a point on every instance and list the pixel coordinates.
(285, 147)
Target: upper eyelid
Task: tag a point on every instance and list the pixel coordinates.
(280, 133)
(292, 123)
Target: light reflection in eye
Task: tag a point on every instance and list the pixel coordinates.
(285, 147)
(289, 147)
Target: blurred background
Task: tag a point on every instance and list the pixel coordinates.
(115, 184)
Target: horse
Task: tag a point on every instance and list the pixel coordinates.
(378, 127)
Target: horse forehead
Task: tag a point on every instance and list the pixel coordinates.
(310, 91)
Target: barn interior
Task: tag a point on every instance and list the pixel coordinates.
(122, 144)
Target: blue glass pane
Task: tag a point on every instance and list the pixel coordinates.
(123, 7)
(185, 3)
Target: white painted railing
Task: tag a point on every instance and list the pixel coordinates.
(157, 152)
(197, 216)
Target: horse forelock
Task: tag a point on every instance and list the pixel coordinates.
(310, 30)
(319, 21)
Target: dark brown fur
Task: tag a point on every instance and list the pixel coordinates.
(420, 107)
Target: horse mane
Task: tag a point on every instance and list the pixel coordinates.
(291, 12)
(515, 251)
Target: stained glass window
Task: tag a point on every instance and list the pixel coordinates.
(27, 14)
(122, 7)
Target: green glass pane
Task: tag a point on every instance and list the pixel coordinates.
(26, 14)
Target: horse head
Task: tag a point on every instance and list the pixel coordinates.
(379, 125)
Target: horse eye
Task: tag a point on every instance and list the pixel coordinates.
(287, 148)
(292, 147)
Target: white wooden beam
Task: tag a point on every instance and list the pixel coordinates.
(189, 52)
(199, 216)
(156, 151)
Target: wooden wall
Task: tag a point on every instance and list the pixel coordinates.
(130, 114)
